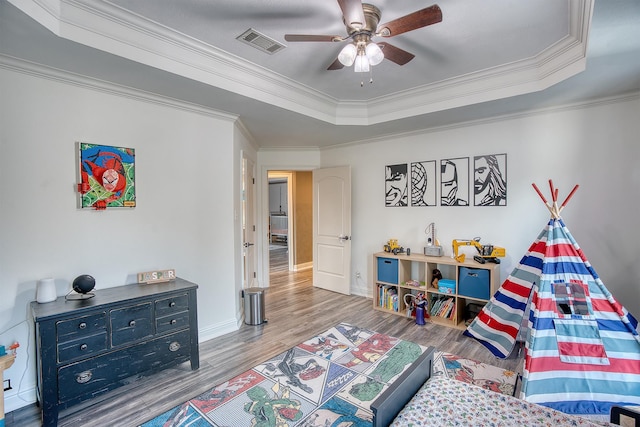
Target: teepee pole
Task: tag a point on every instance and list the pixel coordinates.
(569, 196)
(553, 207)
(535, 187)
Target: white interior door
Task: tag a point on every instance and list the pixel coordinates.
(332, 229)
(248, 222)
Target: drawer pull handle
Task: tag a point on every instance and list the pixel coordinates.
(84, 377)
(172, 304)
(132, 323)
(174, 346)
(173, 321)
(82, 325)
(84, 347)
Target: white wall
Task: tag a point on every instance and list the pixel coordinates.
(244, 148)
(186, 177)
(594, 146)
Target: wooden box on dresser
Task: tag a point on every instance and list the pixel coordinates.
(88, 347)
(469, 284)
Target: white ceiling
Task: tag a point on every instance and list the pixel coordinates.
(486, 58)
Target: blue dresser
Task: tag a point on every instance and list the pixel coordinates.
(88, 347)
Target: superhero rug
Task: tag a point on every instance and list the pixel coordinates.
(328, 380)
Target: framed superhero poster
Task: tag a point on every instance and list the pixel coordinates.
(107, 176)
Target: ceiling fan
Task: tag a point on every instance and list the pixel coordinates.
(361, 21)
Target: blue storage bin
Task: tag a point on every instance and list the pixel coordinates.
(388, 270)
(474, 283)
(447, 286)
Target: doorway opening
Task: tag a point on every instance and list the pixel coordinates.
(290, 220)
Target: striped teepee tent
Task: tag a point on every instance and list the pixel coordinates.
(582, 348)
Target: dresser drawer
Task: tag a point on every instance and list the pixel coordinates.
(130, 324)
(94, 376)
(173, 304)
(82, 347)
(72, 329)
(172, 322)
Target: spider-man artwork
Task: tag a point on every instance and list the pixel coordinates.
(107, 176)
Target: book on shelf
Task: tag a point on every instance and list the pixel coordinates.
(388, 297)
(443, 308)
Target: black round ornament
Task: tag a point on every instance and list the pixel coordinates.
(83, 285)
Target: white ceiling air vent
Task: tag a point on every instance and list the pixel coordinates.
(260, 41)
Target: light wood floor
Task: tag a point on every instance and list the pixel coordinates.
(295, 311)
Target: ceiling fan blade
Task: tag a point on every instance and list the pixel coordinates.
(335, 65)
(395, 54)
(353, 13)
(418, 19)
(311, 38)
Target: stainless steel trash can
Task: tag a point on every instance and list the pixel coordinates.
(254, 306)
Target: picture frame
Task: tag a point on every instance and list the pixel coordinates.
(454, 182)
(490, 180)
(423, 183)
(396, 185)
(106, 175)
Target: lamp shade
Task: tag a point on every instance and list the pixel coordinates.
(348, 55)
(361, 64)
(374, 53)
(46, 290)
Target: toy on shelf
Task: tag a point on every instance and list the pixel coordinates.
(433, 247)
(393, 247)
(415, 283)
(485, 252)
(437, 276)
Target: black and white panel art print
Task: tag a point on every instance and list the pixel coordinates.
(454, 182)
(423, 183)
(490, 180)
(396, 185)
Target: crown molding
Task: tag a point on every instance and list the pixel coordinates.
(106, 27)
(578, 105)
(22, 66)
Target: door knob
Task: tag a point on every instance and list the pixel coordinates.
(343, 238)
(247, 244)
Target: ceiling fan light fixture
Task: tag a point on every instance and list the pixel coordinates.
(348, 55)
(361, 64)
(374, 53)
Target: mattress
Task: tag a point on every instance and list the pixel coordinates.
(445, 402)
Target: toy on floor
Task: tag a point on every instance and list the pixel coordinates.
(417, 307)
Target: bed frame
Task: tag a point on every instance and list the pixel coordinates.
(392, 400)
(279, 227)
(389, 404)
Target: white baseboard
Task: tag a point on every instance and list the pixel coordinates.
(218, 329)
(13, 401)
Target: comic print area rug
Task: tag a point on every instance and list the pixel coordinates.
(328, 380)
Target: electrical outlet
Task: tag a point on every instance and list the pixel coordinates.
(358, 275)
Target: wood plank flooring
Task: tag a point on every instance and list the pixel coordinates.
(295, 311)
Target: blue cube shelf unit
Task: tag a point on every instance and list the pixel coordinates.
(467, 284)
